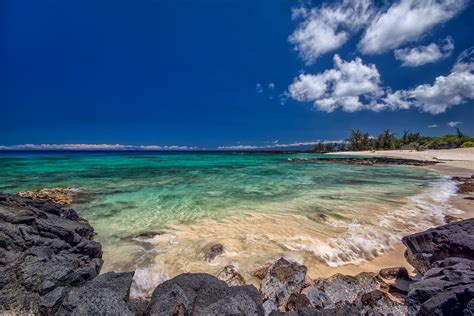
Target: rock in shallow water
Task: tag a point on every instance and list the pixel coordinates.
(212, 251)
(61, 196)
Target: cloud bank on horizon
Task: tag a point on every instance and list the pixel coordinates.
(95, 147)
(354, 85)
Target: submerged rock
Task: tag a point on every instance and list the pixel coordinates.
(231, 276)
(368, 161)
(283, 279)
(203, 294)
(451, 240)
(61, 196)
(212, 251)
(43, 249)
(150, 234)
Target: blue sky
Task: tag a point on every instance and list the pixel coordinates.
(223, 73)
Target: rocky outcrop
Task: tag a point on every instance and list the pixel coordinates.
(445, 257)
(203, 294)
(106, 294)
(284, 278)
(446, 289)
(451, 240)
(43, 248)
(49, 264)
(341, 288)
(61, 196)
(368, 161)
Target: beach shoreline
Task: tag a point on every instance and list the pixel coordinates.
(453, 163)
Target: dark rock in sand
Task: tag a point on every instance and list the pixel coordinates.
(283, 279)
(394, 273)
(212, 251)
(231, 276)
(43, 248)
(446, 289)
(106, 294)
(203, 294)
(451, 240)
(451, 219)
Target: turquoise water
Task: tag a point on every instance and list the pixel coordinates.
(195, 198)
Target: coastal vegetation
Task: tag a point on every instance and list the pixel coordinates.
(388, 140)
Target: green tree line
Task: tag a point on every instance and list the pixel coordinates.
(388, 140)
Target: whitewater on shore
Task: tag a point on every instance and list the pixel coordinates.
(332, 217)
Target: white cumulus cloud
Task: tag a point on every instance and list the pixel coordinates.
(406, 21)
(433, 126)
(341, 86)
(421, 55)
(353, 86)
(326, 28)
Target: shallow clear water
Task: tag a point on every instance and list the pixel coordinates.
(258, 205)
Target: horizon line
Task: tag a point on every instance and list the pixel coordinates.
(124, 147)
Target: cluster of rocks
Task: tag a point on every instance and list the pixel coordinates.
(369, 161)
(444, 256)
(49, 264)
(286, 290)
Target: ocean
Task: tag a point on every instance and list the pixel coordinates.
(258, 206)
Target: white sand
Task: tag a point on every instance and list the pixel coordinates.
(453, 162)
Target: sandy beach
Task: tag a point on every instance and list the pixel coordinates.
(454, 162)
